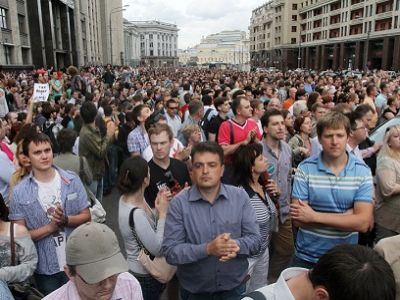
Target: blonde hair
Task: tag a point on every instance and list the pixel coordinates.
(189, 130)
(386, 150)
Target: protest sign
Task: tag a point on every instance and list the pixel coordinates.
(40, 92)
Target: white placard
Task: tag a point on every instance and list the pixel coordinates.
(41, 92)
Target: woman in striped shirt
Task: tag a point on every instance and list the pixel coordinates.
(250, 173)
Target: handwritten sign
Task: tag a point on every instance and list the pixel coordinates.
(40, 92)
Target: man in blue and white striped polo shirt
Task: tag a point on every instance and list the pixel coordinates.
(332, 195)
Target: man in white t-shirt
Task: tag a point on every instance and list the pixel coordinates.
(346, 272)
(50, 202)
(96, 272)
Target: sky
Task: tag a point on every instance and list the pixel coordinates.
(194, 18)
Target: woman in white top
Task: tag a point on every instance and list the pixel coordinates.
(134, 177)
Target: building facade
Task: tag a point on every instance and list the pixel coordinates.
(158, 43)
(132, 44)
(326, 34)
(112, 31)
(230, 47)
(274, 34)
(14, 33)
(350, 33)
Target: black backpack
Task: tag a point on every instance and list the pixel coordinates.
(205, 122)
(51, 130)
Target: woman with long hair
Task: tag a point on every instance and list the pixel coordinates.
(250, 172)
(288, 117)
(134, 177)
(301, 142)
(387, 216)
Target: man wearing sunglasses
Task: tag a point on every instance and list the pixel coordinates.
(96, 267)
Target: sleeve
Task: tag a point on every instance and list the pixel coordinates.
(174, 247)
(7, 168)
(366, 188)
(16, 211)
(150, 239)
(386, 179)
(87, 172)
(75, 205)
(213, 126)
(96, 145)
(27, 258)
(250, 241)
(133, 144)
(300, 185)
(224, 134)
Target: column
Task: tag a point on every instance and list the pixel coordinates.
(307, 60)
(357, 59)
(323, 57)
(385, 57)
(341, 56)
(396, 53)
(317, 58)
(335, 64)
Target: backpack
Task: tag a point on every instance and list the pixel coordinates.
(205, 122)
(80, 84)
(51, 130)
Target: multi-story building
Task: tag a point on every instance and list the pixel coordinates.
(358, 34)
(230, 47)
(158, 43)
(274, 34)
(14, 34)
(112, 31)
(132, 44)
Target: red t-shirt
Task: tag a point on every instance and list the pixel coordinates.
(240, 132)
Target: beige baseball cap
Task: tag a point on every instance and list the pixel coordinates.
(94, 251)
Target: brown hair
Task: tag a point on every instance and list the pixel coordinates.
(160, 127)
(333, 120)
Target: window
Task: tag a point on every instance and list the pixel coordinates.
(3, 18)
(294, 6)
(294, 17)
(294, 28)
(21, 23)
(7, 54)
(150, 36)
(151, 53)
(293, 40)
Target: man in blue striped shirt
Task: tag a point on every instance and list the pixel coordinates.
(332, 195)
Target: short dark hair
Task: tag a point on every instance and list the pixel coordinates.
(363, 109)
(353, 117)
(370, 88)
(236, 103)
(243, 161)
(153, 119)
(107, 110)
(206, 99)
(351, 272)
(219, 101)
(137, 111)
(208, 146)
(88, 112)
(268, 114)
(66, 139)
(132, 174)
(36, 138)
(194, 107)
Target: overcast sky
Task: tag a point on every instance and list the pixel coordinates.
(195, 18)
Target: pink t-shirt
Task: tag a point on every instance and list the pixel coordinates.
(127, 288)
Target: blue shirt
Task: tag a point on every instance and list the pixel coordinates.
(192, 222)
(25, 205)
(326, 192)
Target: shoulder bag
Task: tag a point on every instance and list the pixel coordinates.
(156, 266)
(21, 291)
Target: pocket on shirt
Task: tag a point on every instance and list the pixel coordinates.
(235, 229)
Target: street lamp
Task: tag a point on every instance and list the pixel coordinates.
(113, 11)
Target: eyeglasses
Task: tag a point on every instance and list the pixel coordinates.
(113, 277)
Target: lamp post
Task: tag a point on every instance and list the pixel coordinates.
(113, 11)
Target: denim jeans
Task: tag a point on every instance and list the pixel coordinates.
(233, 294)
(96, 187)
(151, 287)
(49, 283)
(5, 293)
(110, 177)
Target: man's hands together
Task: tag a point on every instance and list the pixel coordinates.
(224, 247)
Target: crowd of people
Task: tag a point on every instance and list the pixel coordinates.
(242, 184)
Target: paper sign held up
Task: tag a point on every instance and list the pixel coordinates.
(40, 92)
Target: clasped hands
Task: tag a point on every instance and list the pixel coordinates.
(224, 247)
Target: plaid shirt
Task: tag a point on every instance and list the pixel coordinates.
(137, 140)
(127, 288)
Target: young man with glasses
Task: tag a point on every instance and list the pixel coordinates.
(173, 119)
(96, 273)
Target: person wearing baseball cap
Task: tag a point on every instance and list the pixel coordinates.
(96, 268)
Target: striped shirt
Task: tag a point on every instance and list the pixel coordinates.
(126, 288)
(26, 206)
(326, 192)
(266, 214)
(137, 140)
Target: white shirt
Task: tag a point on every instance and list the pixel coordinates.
(355, 151)
(280, 289)
(50, 194)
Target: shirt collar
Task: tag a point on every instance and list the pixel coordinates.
(349, 165)
(195, 195)
(65, 176)
(281, 289)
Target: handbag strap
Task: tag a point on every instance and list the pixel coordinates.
(135, 236)
(256, 295)
(12, 240)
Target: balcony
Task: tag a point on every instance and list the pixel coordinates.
(24, 39)
(335, 25)
(355, 21)
(7, 37)
(384, 15)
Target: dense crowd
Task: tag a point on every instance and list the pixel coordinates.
(232, 184)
